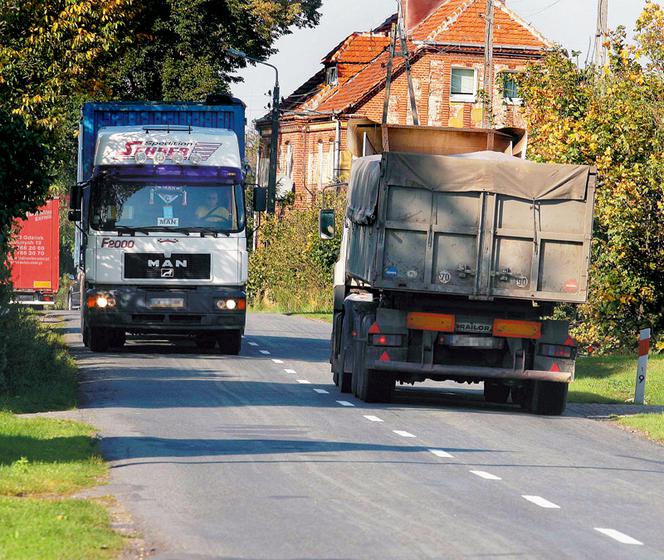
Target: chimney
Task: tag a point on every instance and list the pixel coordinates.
(416, 11)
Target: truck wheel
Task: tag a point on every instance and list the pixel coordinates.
(97, 340)
(230, 342)
(496, 392)
(548, 397)
(370, 385)
(205, 342)
(118, 339)
(344, 378)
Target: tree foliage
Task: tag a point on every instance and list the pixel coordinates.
(614, 119)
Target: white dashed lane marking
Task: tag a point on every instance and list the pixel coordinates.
(277, 361)
(486, 475)
(290, 371)
(372, 418)
(541, 502)
(403, 433)
(253, 344)
(345, 403)
(322, 391)
(304, 382)
(266, 352)
(441, 453)
(618, 536)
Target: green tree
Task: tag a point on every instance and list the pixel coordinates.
(179, 47)
(615, 121)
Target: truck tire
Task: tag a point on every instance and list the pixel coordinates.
(97, 340)
(230, 342)
(344, 378)
(548, 397)
(118, 339)
(205, 342)
(370, 385)
(496, 392)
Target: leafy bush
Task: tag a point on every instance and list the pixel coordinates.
(36, 371)
(292, 269)
(613, 119)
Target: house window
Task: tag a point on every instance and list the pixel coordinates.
(511, 88)
(332, 76)
(464, 84)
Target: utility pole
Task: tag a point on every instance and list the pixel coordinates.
(274, 142)
(399, 36)
(487, 104)
(601, 34)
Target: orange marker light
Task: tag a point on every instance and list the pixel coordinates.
(517, 329)
(430, 322)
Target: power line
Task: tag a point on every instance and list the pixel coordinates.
(544, 9)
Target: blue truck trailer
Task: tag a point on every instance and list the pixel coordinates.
(161, 236)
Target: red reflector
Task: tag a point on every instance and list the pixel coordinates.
(384, 357)
(374, 329)
(554, 367)
(644, 347)
(570, 341)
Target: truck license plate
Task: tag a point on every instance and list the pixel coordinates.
(166, 303)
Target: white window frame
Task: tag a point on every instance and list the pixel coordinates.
(510, 100)
(464, 97)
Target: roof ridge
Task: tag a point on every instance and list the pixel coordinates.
(451, 19)
(511, 13)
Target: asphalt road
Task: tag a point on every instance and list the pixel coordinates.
(259, 456)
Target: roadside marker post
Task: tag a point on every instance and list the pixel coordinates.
(644, 349)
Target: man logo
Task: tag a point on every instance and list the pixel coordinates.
(168, 273)
(168, 263)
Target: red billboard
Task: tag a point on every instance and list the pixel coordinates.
(36, 260)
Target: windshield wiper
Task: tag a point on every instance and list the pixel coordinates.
(208, 231)
(131, 230)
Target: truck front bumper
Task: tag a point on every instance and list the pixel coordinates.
(196, 311)
(470, 372)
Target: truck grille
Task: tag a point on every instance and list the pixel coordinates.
(179, 266)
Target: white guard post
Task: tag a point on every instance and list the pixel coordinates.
(644, 349)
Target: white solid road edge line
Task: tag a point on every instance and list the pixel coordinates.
(372, 418)
(345, 403)
(441, 453)
(486, 475)
(618, 536)
(541, 502)
(403, 433)
(322, 391)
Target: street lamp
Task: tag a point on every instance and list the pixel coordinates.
(272, 175)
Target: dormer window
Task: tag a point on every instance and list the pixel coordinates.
(332, 77)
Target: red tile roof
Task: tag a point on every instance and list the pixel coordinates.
(362, 57)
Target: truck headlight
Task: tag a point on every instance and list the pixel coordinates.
(101, 301)
(231, 304)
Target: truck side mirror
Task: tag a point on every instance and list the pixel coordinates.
(260, 199)
(75, 193)
(326, 223)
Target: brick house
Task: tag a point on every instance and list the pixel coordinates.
(446, 48)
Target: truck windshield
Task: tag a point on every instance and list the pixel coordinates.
(121, 205)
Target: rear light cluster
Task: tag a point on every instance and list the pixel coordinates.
(232, 304)
(557, 351)
(386, 339)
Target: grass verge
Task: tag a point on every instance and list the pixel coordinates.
(42, 462)
(651, 425)
(37, 373)
(611, 379)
